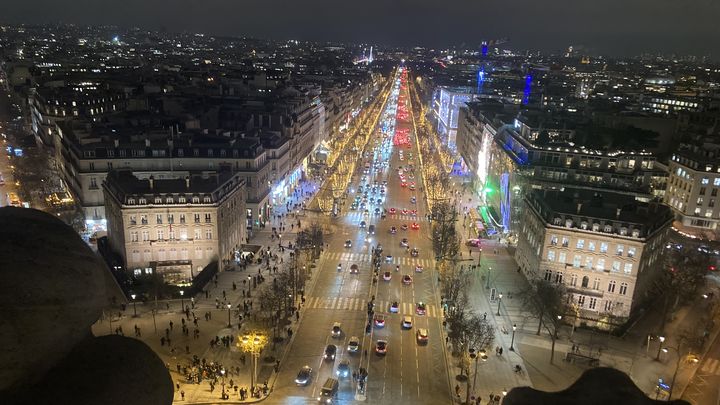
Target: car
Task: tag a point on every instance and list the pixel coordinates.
(473, 242)
(343, 369)
(393, 230)
(422, 335)
(407, 279)
(414, 252)
(415, 226)
(354, 344)
(412, 187)
(354, 269)
(420, 308)
(403, 183)
(413, 213)
(371, 229)
(304, 376)
(404, 227)
(388, 258)
(413, 200)
(387, 276)
(336, 329)
(404, 242)
(363, 224)
(418, 269)
(394, 307)
(381, 346)
(379, 248)
(392, 210)
(354, 206)
(348, 243)
(330, 351)
(377, 211)
(407, 322)
(404, 211)
(379, 320)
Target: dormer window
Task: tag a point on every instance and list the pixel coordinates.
(169, 200)
(182, 200)
(131, 201)
(158, 200)
(196, 200)
(557, 221)
(206, 200)
(636, 233)
(595, 227)
(623, 231)
(143, 201)
(608, 228)
(583, 225)
(568, 223)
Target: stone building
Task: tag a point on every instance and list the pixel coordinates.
(605, 248)
(175, 227)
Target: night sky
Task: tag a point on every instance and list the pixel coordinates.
(611, 27)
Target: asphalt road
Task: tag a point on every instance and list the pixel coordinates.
(410, 372)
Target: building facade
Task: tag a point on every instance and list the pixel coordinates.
(175, 227)
(603, 247)
(694, 181)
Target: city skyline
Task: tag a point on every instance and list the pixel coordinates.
(640, 27)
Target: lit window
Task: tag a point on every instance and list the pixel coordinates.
(580, 244)
(628, 268)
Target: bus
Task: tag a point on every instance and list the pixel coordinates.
(13, 200)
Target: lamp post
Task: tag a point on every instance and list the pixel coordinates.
(512, 341)
(661, 339)
(229, 306)
(487, 279)
(249, 285)
(134, 305)
(182, 301)
(253, 343)
(499, 301)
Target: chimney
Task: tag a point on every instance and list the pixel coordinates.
(151, 180)
(579, 207)
(187, 182)
(617, 213)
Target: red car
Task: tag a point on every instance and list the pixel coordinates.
(407, 280)
(393, 210)
(413, 212)
(403, 184)
(420, 308)
(415, 226)
(404, 211)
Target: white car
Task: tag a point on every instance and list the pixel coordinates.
(407, 322)
(354, 344)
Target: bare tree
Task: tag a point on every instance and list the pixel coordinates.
(446, 242)
(546, 301)
(680, 279)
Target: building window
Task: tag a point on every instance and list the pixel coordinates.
(573, 280)
(581, 301)
(143, 219)
(182, 218)
(198, 253)
(628, 268)
(553, 240)
(158, 200)
(611, 286)
(208, 218)
(596, 284)
(592, 302)
(580, 244)
(585, 282)
(716, 181)
(169, 200)
(196, 200)
(623, 288)
(145, 236)
(148, 255)
(143, 201)
(208, 234)
(551, 255)
(557, 221)
(171, 219)
(93, 183)
(705, 181)
(702, 191)
(608, 228)
(183, 254)
(548, 275)
(171, 234)
(559, 277)
(616, 266)
(576, 261)
(620, 249)
(631, 252)
(133, 220)
(198, 234)
(600, 265)
(207, 200)
(158, 219)
(197, 218)
(603, 247)
(608, 306)
(562, 257)
(591, 245)
(160, 235)
(131, 201)
(133, 236)
(182, 200)
(565, 241)
(589, 263)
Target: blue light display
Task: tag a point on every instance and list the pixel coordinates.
(526, 91)
(505, 201)
(480, 79)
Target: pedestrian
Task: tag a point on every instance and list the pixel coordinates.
(501, 351)
(177, 385)
(182, 395)
(457, 390)
(171, 325)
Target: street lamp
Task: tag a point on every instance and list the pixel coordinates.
(134, 305)
(661, 339)
(249, 285)
(253, 343)
(228, 307)
(182, 301)
(512, 341)
(499, 301)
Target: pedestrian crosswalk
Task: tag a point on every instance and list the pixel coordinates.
(711, 366)
(357, 216)
(355, 258)
(359, 304)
